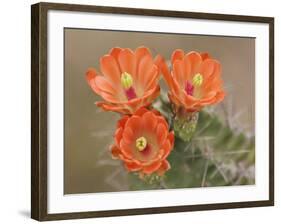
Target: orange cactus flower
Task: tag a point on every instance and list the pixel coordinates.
(143, 142)
(194, 81)
(129, 80)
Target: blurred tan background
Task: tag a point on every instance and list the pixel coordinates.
(88, 132)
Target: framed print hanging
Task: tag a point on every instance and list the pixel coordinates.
(139, 111)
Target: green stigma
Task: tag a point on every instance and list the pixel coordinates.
(141, 143)
(126, 80)
(197, 80)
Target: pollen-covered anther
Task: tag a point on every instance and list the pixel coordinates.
(141, 143)
(126, 80)
(197, 80)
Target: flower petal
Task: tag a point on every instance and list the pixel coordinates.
(151, 95)
(162, 120)
(167, 148)
(118, 136)
(179, 72)
(128, 135)
(127, 61)
(195, 60)
(165, 166)
(122, 122)
(187, 70)
(113, 107)
(115, 52)
(205, 55)
(152, 167)
(126, 149)
(110, 69)
(134, 123)
(171, 137)
(144, 69)
(153, 80)
(115, 152)
(163, 67)
(161, 133)
(207, 68)
(105, 86)
(131, 166)
(149, 121)
(109, 97)
(91, 74)
(140, 53)
(177, 55)
(141, 111)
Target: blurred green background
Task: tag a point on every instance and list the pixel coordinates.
(222, 150)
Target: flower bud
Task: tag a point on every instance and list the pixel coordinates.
(185, 124)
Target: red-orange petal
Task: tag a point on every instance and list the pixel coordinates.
(131, 166)
(141, 111)
(128, 135)
(115, 52)
(171, 138)
(207, 68)
(161, 120)
(140, 53)
(126, 149)
(122, 122)
(213, 79)
(118, 136)
(110, 69)
(105, 86)
(145, 100)
(149, 121)
(156, 112)
(127, 61)
(153, 94)
(152, 79)
(220, 96)
(112, 98)
(195, 59)
(113, 107)
(177, 55)
(144, 69)
(173, 99)
(167, 148)
(152, 167)
(179, 72)
(205, 55)
(115, 152)
(188, 100)
(134, 123)
(174, 85)
(90, 77)
(163, 67)
(161, 133)
(165, 166)
(187, 70)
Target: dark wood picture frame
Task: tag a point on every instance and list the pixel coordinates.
(39, 106)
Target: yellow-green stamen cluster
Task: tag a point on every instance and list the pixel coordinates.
(197, 80)
(141, 143)
(126, 80)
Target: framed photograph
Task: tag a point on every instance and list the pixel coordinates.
(139, 111)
